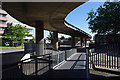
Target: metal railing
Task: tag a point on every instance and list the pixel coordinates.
(60, 56)
(36, 65)
(87, 63)
(33, 66)
(57, 56)
(105, 56)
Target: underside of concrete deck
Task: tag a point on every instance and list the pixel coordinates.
(47, 16)
(52, 14)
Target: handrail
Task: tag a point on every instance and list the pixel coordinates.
(23, 67)
(24, 62)
(35, 57)
(37, 65)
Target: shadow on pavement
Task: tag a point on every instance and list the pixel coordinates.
(108, 71)
(65, 74)
(99, 77)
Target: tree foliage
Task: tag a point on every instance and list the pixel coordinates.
(69, 38)
(106, 19)
(32, 40)
(50, 37)
(62, 37)
(16, 33)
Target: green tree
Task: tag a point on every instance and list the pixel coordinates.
(32, 40)
(50, 37)
(16, 33)
(106, 19)
(76, 39)
(62, 37)
(69, 38)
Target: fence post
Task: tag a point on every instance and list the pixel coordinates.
(117, 61)
(36, 66)
(21, 70)
(58, 58)
(117, 56)
(87, 64)
(96, 58)
(49, 62)
(65, 55)
(90, 59)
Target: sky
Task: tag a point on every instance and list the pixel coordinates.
(79, 15)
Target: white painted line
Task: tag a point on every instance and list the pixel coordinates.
(59, 64)
(71, 56)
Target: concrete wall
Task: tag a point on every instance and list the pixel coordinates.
(13, 57)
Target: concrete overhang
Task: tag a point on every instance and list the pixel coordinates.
(52, 14)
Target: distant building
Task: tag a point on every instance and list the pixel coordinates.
(6, 20)
(3, 21)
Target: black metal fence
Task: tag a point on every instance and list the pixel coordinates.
(105, 56)
(34, 66)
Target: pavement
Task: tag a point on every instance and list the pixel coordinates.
(77, 61)
(72, 68)
(10, 51)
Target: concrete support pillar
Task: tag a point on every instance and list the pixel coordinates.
(55, 40)
(81, 42)
(73, 41)
(40, 37)
(85, 42)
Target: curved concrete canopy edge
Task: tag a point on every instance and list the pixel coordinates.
(52, 14)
